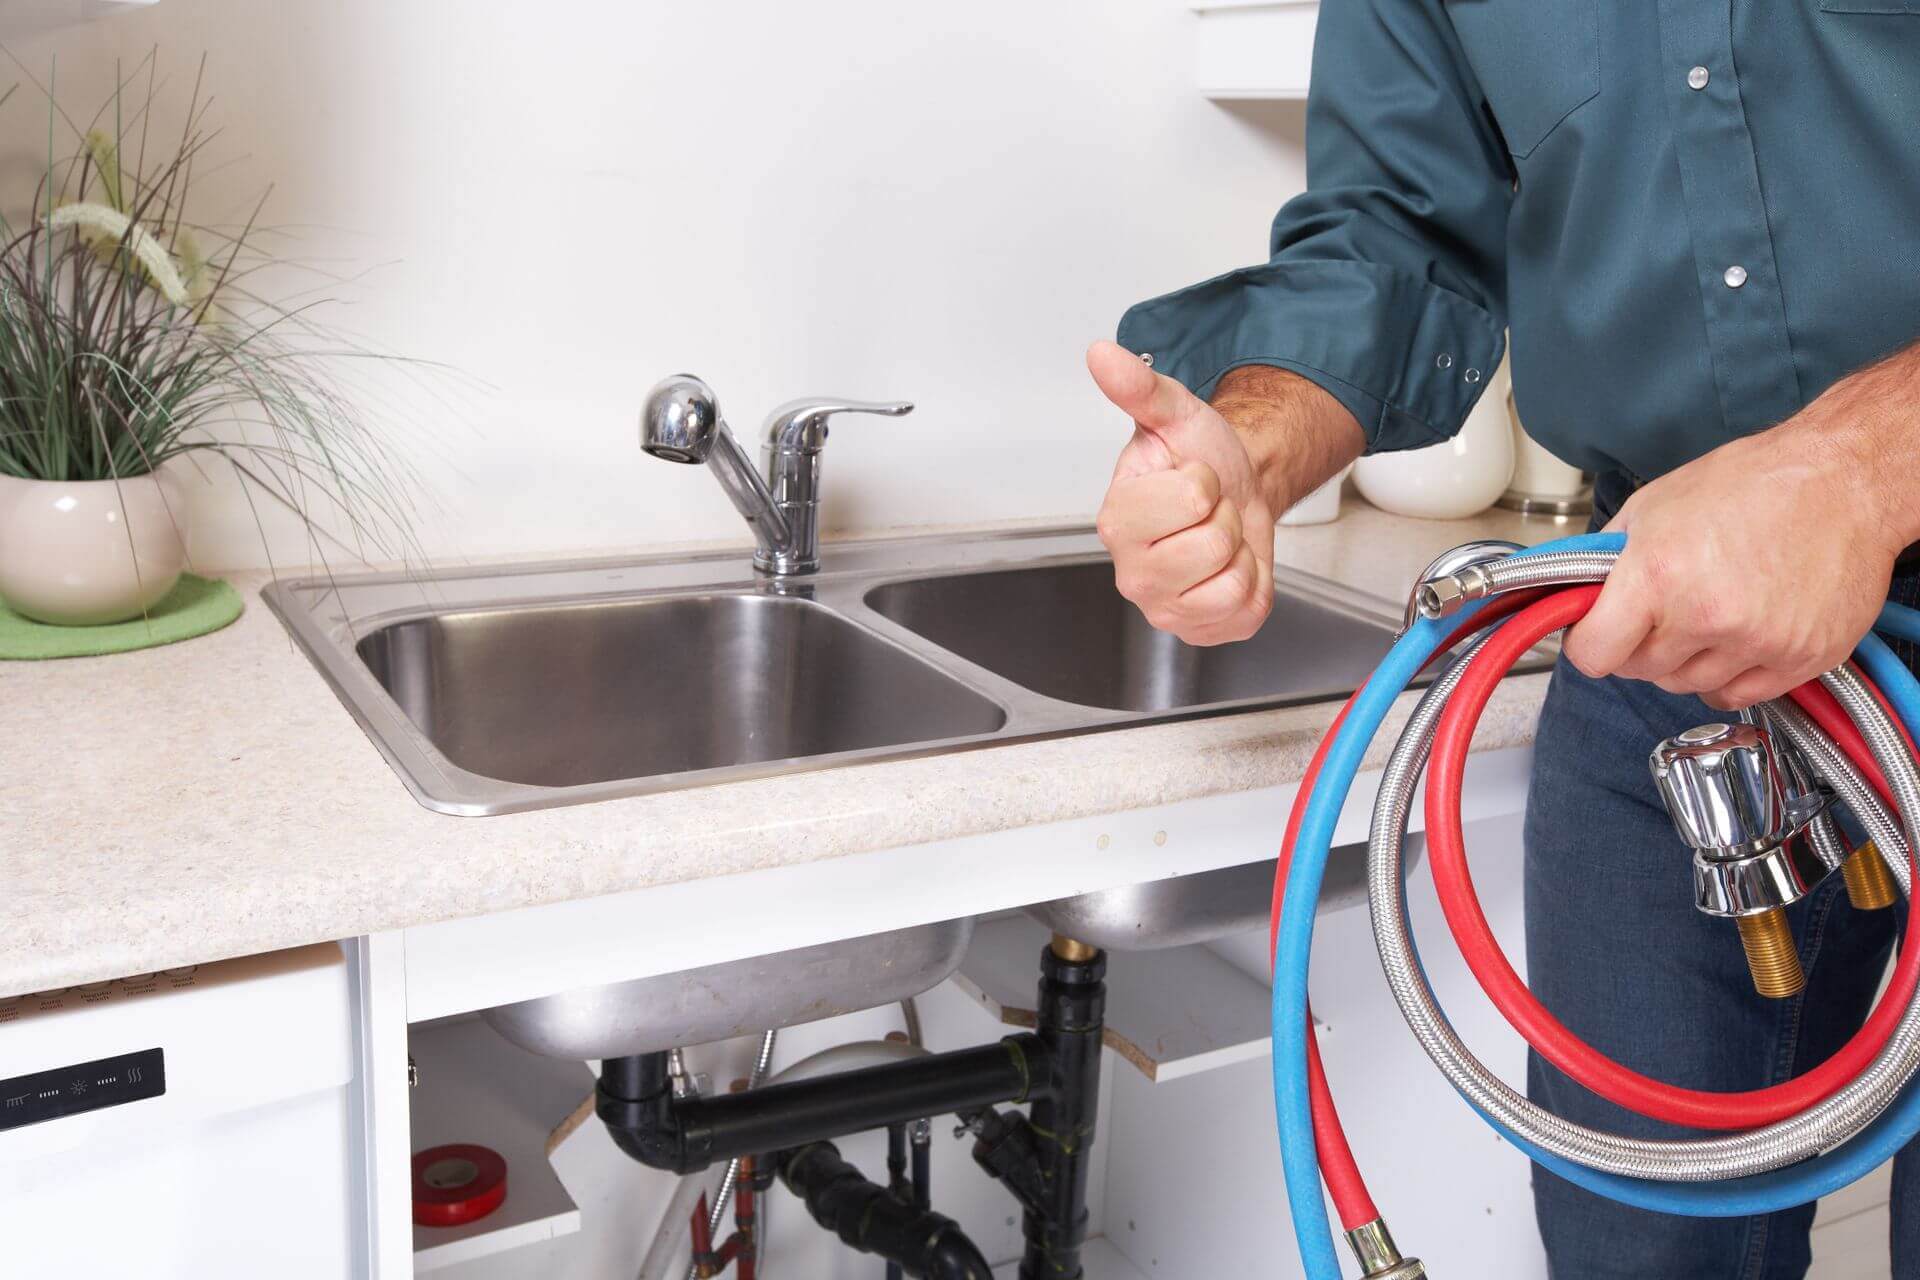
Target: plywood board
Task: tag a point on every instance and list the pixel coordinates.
(1170, 1013)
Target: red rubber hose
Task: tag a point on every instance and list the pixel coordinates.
(1352, 1202)
(1351, 1199)
(1447, 856)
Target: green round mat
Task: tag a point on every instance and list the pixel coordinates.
(193, 608)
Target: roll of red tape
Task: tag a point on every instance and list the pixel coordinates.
(456, 1184)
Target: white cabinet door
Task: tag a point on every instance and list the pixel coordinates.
(1254, 48)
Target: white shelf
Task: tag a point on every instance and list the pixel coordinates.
(1254, 49)
(1098, 1261)
(1170, 1013)
(476, 1087)
(22, 18)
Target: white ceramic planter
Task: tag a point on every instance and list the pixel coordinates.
(82, 553)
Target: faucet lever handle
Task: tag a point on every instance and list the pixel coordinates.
(800, 426)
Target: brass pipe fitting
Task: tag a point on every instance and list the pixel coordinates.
(1870, 885)
(1772, 957)
(1073, 951)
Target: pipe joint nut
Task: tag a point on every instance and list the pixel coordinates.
(1448, 583)
(1379, 1257)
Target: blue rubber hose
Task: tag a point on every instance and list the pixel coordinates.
(1295, 944)
(1900, 622)
(1761, 1193)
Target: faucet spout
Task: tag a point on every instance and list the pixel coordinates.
(681, 423)
(772, 533)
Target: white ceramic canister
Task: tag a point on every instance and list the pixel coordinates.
(1322, 506)
(1455, 478)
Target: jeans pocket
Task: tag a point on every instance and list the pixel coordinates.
(1538, 61)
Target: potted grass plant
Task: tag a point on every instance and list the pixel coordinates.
(138, 351)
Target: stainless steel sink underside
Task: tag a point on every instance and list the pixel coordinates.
(527, 686)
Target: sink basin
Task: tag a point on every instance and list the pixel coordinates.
(498, 689)
(1182, 910)
(1164, 913)
(586, 693)
(738, 998)
(1063, 631)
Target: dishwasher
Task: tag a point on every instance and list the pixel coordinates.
(194, 1122)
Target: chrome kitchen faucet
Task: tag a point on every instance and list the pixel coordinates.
(681, 422)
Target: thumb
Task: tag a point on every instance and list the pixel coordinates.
(1612, 631)
(1153, 400)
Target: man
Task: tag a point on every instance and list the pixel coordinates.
(1701, 220)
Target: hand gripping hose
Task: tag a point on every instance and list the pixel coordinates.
(1769, 1148)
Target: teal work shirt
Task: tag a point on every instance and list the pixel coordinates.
(1692, 216)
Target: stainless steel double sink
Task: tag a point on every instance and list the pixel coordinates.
(523, 687)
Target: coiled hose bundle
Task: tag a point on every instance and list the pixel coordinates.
(1772, 1148)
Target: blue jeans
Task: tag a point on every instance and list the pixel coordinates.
(1616, 949)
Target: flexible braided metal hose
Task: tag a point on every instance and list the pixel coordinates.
(1832, 764)
(730, 1180)
(1820, 1127)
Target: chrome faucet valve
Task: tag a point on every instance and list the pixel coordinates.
(681, 422)
(791, 443)
(1745, 810)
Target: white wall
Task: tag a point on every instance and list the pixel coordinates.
(863, 197)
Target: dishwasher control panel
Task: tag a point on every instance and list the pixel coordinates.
(83, 1086)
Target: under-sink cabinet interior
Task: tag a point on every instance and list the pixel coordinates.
(1178, 1158)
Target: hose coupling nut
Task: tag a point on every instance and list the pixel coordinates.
(1445, 596)
(1455, 577)
(1379, 1259)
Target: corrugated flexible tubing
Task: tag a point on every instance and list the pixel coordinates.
(1868, 1118)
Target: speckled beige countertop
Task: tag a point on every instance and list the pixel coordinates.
(213, 798)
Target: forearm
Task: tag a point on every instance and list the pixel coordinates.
(1868, 423)
(1297, 435)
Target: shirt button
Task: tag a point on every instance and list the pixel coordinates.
(1735, 276)
(1698, 77)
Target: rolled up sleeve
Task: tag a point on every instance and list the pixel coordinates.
(1386, 279)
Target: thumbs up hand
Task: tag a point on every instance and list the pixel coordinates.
(1189, 529)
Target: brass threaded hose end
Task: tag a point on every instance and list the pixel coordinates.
(1870, 885)
(1772, 957)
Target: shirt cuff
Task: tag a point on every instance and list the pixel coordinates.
(1407, 358)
